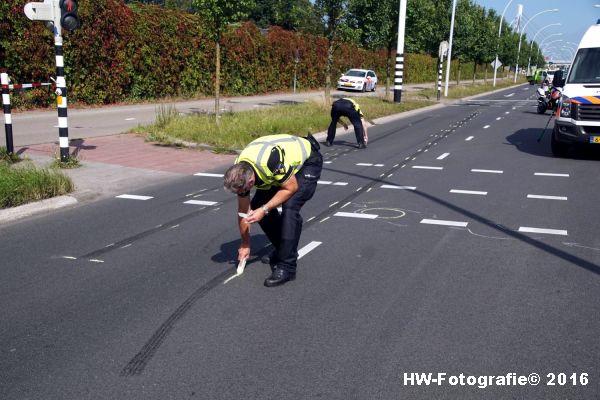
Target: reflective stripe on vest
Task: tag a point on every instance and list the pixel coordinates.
(257, 154)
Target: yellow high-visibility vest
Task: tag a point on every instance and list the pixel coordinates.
(355, 105)
(291, 151)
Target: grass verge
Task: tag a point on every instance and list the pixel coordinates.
(236, 129)
(24, 183)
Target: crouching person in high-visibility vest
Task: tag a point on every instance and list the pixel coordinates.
(284, 169)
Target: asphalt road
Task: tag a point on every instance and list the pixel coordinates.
(454, 244)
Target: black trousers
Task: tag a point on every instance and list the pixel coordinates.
(344, 108)
(283, 230)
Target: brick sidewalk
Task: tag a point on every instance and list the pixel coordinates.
(129, 150)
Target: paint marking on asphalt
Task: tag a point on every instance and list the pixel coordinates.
(537, 196)
(69, 257)
(542, 230)
(95, 260)
(550, 174)
(208, 174)
(332, 183)
(364, 164)
(327, 162)
(487, 126)
(333, 204)
(488, 171)
(129, 119)
(444, 222)
(347, 204)
(469, 138)
(134, 197)
(459, 191)
(498, 119)
(426, 167)
(399, 187)
(200, 202)
(308, 248)
(443, 156)
(354, 215)
(340, 183)
(509, 95)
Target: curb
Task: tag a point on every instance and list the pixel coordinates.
(37, 207)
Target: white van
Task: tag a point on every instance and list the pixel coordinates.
(578, 114)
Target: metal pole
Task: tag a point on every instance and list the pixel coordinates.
(449, 58)
(7, 116)
(498, 44)
(439, 81)
(61, 97)
(398, 76)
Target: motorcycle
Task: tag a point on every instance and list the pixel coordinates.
(548, 98)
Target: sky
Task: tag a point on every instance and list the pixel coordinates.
(575, 16)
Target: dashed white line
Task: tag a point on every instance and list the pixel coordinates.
(134, 197)
(354, 215)
(542, 230)
(487, 126)
(469, 138)
(426, 167)
(444, 222)
(550, 174)
(488, 171)
(498, 119)
(509, 95)
(208, 174)
(308, 248)
(443, 156)
(327, 162)
(200, 202)
(399, 187)
(69, 257)
(537, 196)
(459, 191)
(332, 183)
(369, 165)
(129, 119)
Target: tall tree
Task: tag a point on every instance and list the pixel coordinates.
(299, 15)
(217, 15)
(333, 14)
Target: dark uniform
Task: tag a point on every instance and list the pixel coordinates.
(346, 108)
(274, 160)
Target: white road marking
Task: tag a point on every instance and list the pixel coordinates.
(327, 162)
(507, 112)
(364, 164)
(129, 119)
(468, 192)
(509, 95)
(333, 204)
(444, 222)
(498, 119)
(332, 183)
(443, 156)
(426, 167)
(354, 215)
(469, 138)
(340, 183)
(536, 196)
(134, 197)
(200, 202)
(95, 260)
(541, 230)
(550, 174)
(207, 174)
(308, 248)
(489, 171)
(398, 187)
(487, 126)
(69, 257)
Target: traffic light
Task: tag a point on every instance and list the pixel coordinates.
(69, 20)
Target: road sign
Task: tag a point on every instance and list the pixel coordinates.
(40, 11)
(496, 64)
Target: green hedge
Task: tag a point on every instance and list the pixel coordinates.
(143, 52)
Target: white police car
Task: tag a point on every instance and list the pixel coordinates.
(358, 79)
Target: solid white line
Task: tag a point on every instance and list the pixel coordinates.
(550, 174)
(468, 192)
(536, 196)
(469, 138)
(308, 248)
(340, 183)
(426, 167)
(540, 230)
(398, 187)
(489, 171)
(485, 127)
(443, 222)
(134, 197)
(354, 215)
(200, 202)
(207, 174)
(443, 156)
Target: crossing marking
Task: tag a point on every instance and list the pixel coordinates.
(537, 196)
(444, 222)
(443, 156)
(468, 192)
(550, 174)
(354, 215)
(488, 171)
(201, 202)
(134, 197)
(542, 230)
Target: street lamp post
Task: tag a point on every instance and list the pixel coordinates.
(498, 44)
(449, 58)
(521, 36)
(533, 40)
(399, 74)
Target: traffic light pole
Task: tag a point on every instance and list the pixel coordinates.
(7, 116)
(398, 76)
(61, 97)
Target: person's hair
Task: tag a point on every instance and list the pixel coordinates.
(237, 176)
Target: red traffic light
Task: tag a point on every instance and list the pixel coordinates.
(69, 19)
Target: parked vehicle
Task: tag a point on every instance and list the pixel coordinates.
(358, 79)
(578, 114)
(536, 77)
(548, 97)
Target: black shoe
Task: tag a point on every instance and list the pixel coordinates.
(279, 277)
(328, 143)
(362, 146)
(270, 259)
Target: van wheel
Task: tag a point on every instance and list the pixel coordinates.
(559, 149)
